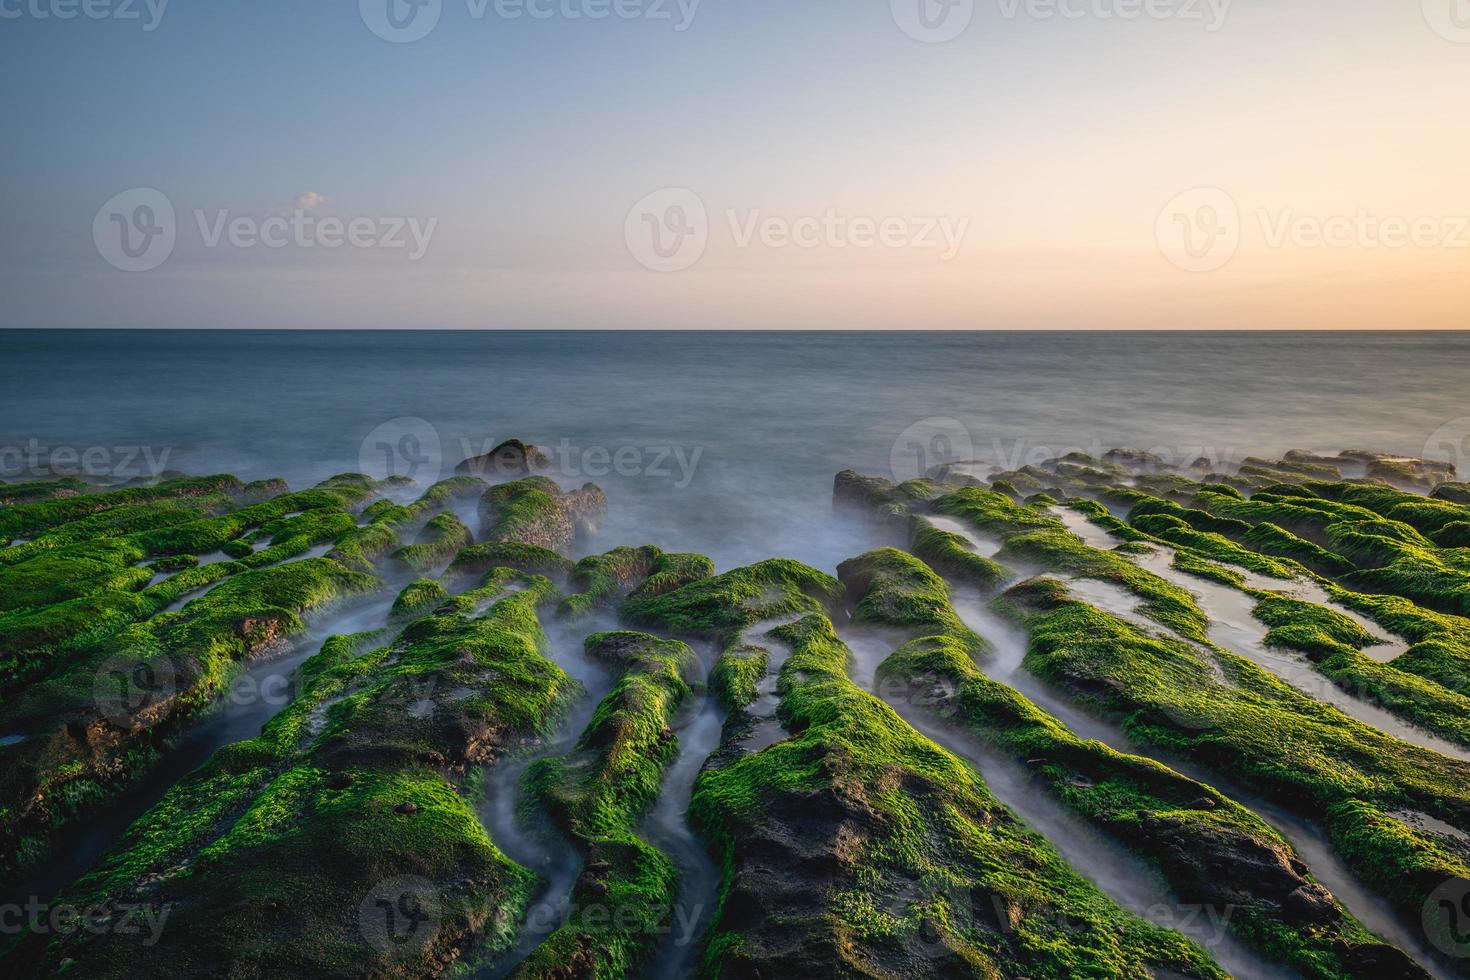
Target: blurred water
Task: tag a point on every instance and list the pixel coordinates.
(771, 416)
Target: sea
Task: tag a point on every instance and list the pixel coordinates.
(720, 442)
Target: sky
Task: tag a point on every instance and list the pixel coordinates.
(733, 164)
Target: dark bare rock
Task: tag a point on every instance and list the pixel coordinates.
(1311, 904)
(1455, 493)
(510, 460)
(1136, 460)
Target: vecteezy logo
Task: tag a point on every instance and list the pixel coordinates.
(1447, 918)
(400, 916)
(927, 444)
(1199, 231)
(127, 687)
(136, 230)
(933, 21)
(668, 230)
(401, 21)
(1450, 19)
(1450, 443)
(407, 446)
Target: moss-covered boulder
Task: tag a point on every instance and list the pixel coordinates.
(342, 841)
(535, 511)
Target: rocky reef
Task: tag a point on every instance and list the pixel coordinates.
(1095, 716)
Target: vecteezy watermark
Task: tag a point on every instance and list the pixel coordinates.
(567, 459)
(1202, 229)
(300, 229)
(1446, 918)
(931, 445)
(121, 919)
(128, 687)
(400, 916)
(403, 447)
(1450, 443)
(1199, 230)
(1362, 229)
(927, 444)
(670, 229)
(681, 927)
(38, 460)
(147, 13)
(411, 447)
(932, 693)
(941, 21)
(1450, 19)
(933, 21)
(406, 21)
(1212, 14)
(138, 230)
(941, 234)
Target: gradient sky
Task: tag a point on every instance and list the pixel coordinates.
(1057, 143)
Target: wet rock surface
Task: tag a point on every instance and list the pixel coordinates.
(849, 838)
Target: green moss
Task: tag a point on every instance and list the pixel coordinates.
(882, 498)
(438, 543)
(174, 564)
(955, 556)
(12, 494)
(1200, 520)
(931, 877)
(418, 598)
(1269, 539)
(536, 511)
(1262, 733)
(1191, 834)
(362, 547)
(1062, 551)
(191, 655)
(673, 570)
(639, 573)
(600, 580)
(30, 519)
(596, 794)
(531, 559)
(1440, 648)
(736, 676)
(1187, 831)
(725, 605)
(896, 589)
(1456, 534)
(312, 808)
(71, 573)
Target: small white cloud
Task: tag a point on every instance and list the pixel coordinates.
(310, 201)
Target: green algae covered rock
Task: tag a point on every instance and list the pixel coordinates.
(1212, 851)
(859, 848)
(341, 841)
(602, 580)
(535, 511)
(622, 902)
(93, 726)
(723, 606)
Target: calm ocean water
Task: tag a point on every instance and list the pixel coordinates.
(725, 443)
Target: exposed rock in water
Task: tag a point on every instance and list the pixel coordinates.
(1457, 493)
(1137, 460)
(510, 460)
(535, 511)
